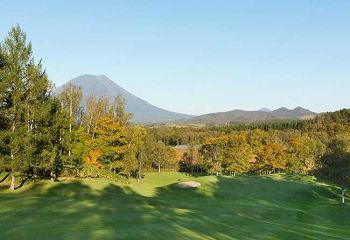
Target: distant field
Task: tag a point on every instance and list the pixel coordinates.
(254, 207)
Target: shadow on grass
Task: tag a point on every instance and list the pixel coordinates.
(23, 181)
(230, 208)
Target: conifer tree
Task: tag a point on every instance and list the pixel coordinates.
(25, 104)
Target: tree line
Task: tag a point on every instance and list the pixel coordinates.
(43, 134)
(321, 148)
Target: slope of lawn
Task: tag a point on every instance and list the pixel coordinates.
(247, 207)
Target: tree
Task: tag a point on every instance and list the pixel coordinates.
(213, 151)
(302, 154)
(27, 104)
(119, 114)
(336, 163)
(95, 108)
(108, 145)
(271, 158)
(98, 109)
(238, 155)
(190, 159)
(102, 110)
(257, 139)
(48, 140)
(4, 118)
(70, 99)
(134, 155)
(3, 91)
(90, 113)
(158, 154)
(17, 55)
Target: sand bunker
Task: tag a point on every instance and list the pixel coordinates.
(189, 184)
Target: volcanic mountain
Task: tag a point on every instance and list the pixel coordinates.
(143, 112)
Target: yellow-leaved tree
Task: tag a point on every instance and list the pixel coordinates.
(107, 147)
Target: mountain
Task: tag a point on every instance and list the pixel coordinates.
(241, 116)
(143, 111)
(264, 110)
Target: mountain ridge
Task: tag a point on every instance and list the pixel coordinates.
(242, 116)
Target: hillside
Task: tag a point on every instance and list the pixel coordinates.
(247, 207)
(241, 116)
(143, 111)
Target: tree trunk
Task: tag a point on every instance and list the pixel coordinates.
(52, 176)
(70, 119)
(28, 120)
(343, 196)
(159, 168)
(12, 186)
(90, 122)
(94, 131)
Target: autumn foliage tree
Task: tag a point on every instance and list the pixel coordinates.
(271, 158)
(238, 155)
(213, 152)
(108, 145)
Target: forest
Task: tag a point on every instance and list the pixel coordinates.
(48, 135)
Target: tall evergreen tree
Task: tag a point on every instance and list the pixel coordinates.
(17, 55)
(24, 103)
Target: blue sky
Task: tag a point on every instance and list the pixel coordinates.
(197, 56)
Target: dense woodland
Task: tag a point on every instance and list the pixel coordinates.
(45, 135)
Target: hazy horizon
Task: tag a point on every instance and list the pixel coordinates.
(197, 57)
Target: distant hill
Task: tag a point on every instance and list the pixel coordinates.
(241, 116)
(143, 111)
(265, 110)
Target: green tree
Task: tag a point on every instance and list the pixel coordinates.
(26, 104)
(336, 163)
(159, 154)
(134, 155)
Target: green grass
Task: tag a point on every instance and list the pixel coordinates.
(251, 207)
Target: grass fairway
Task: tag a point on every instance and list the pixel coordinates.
(252, 207)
